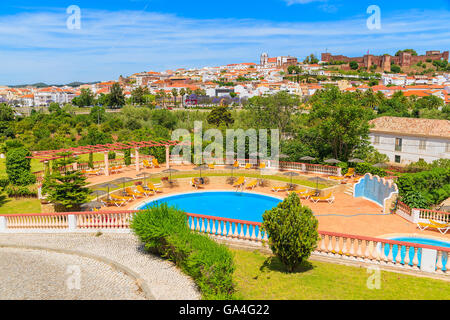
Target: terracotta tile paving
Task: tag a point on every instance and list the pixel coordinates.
(349, 215)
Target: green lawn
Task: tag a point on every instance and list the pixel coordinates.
(12, 206)
(36, 165)
(156, 178)
(262, 277)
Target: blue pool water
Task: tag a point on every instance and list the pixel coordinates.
(232, 205)
(430, 242)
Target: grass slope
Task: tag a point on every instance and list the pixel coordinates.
(262, 277)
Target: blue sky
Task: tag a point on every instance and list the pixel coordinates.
(128, 36)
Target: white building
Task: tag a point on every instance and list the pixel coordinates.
(406, 140)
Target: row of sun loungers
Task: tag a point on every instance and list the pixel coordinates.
(153, 164)
(131, 195)
(307, 194)
(441, 227)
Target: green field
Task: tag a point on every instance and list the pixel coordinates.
(263, 277)
(36, 165)
(13, 206)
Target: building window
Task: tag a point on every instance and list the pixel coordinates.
(422, 145)
(376, 140)
(398, 144)
(398, 159)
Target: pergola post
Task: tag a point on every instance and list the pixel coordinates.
(136, 159)
(167, 157)
(106, 163)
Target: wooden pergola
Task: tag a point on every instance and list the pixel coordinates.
(46, 156)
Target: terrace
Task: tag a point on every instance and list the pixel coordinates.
(354, 230)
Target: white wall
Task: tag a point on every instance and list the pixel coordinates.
(434, 148)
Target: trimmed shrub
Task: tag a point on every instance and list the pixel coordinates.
(21, 191)
(425, 189)
(4, 182)
(18, 167)
(363, 168)
(164, 231)
(292, 230)
(344, 167)
(127, 157)
(91, 160)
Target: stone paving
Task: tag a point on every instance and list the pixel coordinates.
(162, 278)
(37, 274)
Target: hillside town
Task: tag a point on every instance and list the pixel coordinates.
(276, 159)
(414, 75)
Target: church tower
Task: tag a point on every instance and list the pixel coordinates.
(264, 59)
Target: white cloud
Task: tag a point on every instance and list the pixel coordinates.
(292, 2)
(38, 46)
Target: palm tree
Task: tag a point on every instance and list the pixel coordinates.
(163, 95)
(182, 94)
(175, 95)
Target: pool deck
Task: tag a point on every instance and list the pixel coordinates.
(349, 215)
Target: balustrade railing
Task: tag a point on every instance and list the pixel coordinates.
(438, 216)
(36, 221)
(228, 228)
(403, 207)
(380, 251)
(387, 252)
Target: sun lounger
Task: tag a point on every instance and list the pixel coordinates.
(154, 188)
(121, 198)
(211, 166)
(155, 163)
(252, 185)
(299, 192)
(350, 173)
(196, 183)
(441, 227)
(336, 178)
(262, 165)
(307, 195)
(143, 191)
(239, 183)
(248, 166)
(117, 203)
(328, 198)
(280, 189)
(133, 194)
(147, 164)
(236, 164)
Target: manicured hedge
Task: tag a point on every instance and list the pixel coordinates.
(363, 168)
(21, 191)
(164, 231)
(425, 189)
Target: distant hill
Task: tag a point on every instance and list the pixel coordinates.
(44, 85)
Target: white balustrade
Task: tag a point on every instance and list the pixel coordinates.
(364, 249)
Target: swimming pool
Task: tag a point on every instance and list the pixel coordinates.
(426, 241)
(231, 205)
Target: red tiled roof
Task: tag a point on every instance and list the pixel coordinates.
(412, 126)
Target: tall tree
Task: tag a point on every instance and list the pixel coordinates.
(340, 123)
(66, 186)
(174, 95)
(182, 94)
(220, 116)
(138, 95)
(116, 96)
